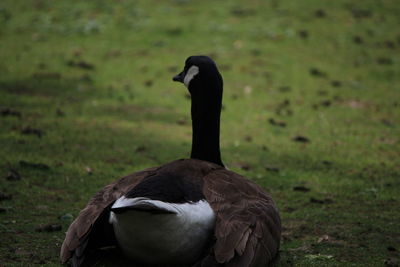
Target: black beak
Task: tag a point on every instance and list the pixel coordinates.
(179, 77)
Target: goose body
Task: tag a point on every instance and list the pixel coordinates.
(191, 212)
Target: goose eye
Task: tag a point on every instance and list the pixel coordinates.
(190, 74)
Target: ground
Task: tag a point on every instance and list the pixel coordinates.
(311, 113)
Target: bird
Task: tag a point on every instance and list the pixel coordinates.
(188, 212)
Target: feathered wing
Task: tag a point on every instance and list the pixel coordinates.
(78, 233)
(248, 226)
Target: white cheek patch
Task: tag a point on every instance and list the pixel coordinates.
(193, 71)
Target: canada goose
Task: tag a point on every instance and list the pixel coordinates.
(187, 212)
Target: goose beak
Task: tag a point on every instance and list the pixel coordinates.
(179, 77)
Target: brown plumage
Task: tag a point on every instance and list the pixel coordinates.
(247, 231)
(80, 229)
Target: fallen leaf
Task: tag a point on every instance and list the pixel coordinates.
(60, 113)
(9, 112)
(319, 257)
(387, 122)
(13, 175)
(321, 201)
(327, 162)
(301, 188)
(320, 13)
(336, 83)
(32, 131)
(318, 73)
(303, 34)
(277, 123)
(390, 44)
(148, 83)
(38, 166)
(355, 104)
(140, 149)
(289, 209)
(80, 64)
(301, 139)
(358, 40)
(245, 167)
(51, 227)
(89, 170)
(247, 89)
(283, 108)
(182, 121)
(4, 196)
(248, 138)
(323, 238)
(326, 103)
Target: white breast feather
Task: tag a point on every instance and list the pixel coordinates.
(176, 238)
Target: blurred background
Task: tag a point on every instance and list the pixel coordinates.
(310, 112)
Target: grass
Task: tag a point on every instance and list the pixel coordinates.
(86, 91)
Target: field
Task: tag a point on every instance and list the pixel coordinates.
(311, 112)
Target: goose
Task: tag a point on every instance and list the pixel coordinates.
(189, 212)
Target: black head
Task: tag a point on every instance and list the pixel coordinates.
(200, 71)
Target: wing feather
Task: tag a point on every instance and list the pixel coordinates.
(76, 236)
(248, 225)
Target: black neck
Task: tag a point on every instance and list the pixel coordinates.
(206, 111)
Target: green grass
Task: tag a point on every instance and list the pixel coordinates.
(122, 113)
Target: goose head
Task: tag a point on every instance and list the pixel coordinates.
(200, 73)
